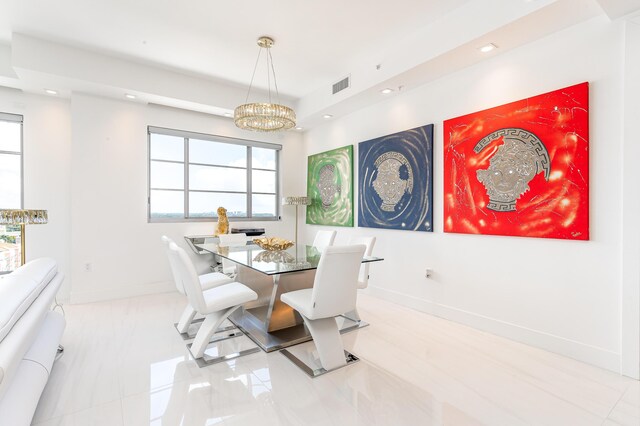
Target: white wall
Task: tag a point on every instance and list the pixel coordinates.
(109, 191)
(86, 163)
(47, 157)
(630, 295)
(560, 295)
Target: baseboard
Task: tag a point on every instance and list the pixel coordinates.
(121, 292)
(582, 352)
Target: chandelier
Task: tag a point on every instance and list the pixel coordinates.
(262, 116)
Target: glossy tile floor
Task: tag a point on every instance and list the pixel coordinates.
(125, 364)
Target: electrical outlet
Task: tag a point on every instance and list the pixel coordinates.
(428, 272)
(88, 267)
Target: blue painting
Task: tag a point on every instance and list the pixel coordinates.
(396, 181)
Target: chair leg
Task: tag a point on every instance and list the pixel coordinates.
(209, 326)
(326, 337)
(185, 319)
(353, 315)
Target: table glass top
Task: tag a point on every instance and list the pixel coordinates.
(296, 258)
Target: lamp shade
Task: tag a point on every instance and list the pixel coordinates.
(295, 201)
(23, 217)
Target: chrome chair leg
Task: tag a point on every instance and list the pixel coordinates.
(59, 352)
(189, 336)
(315, 372)
(205, 337)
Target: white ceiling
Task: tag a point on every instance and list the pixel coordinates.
(199, 54)
(315, 40)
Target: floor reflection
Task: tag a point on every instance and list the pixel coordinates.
(125, 365)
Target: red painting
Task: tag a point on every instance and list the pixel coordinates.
(520, 169)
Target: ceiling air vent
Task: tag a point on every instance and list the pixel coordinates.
(341, 85)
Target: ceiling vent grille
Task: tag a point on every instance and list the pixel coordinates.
(341, 85)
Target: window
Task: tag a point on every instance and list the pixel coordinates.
(192, 174)
(11, 187)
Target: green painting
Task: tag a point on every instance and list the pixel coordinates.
(330, 187)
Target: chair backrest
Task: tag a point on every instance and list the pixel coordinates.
(232, 239)
(324, 239)
(335, 285)
(166, 241)
(363, 277)
(188, 277)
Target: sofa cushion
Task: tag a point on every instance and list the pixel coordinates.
(20, 288)
(42, 269)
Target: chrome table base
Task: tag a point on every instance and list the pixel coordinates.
(249, 322)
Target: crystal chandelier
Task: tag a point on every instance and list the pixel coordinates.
(262, 116)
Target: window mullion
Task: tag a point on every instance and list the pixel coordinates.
(21, 164)
(166, 161)
(217, 165)
(148, 174)
(278, 183)
(186, 178)
(249, 184)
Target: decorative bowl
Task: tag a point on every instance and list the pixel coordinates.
(279, 256)
(273, 243)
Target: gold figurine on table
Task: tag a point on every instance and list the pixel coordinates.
(222, 227)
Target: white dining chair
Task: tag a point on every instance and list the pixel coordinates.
(363, 276)
(334, 292)
(230, 240)
(324, 239)
(215, 304)
(207, 281)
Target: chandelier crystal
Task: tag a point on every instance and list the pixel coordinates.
(264, 116)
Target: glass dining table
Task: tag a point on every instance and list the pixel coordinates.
(270, 323)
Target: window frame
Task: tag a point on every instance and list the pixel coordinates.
(186, 136)
(16, 118)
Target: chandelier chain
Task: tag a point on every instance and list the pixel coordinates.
(268, 75)
(255, 67)
(275, 82)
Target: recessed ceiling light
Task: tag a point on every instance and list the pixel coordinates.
(298, 128)
(386, 91)
(327, 116)
(488, 47)
(51, 91)
(129, 96)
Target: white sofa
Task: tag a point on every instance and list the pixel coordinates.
(30, 333)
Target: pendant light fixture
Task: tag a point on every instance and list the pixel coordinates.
(263, 116)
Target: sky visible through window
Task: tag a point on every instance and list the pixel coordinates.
(10, 165)
(213, 166)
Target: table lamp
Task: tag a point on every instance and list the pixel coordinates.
(296, 201)
(22, 217)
